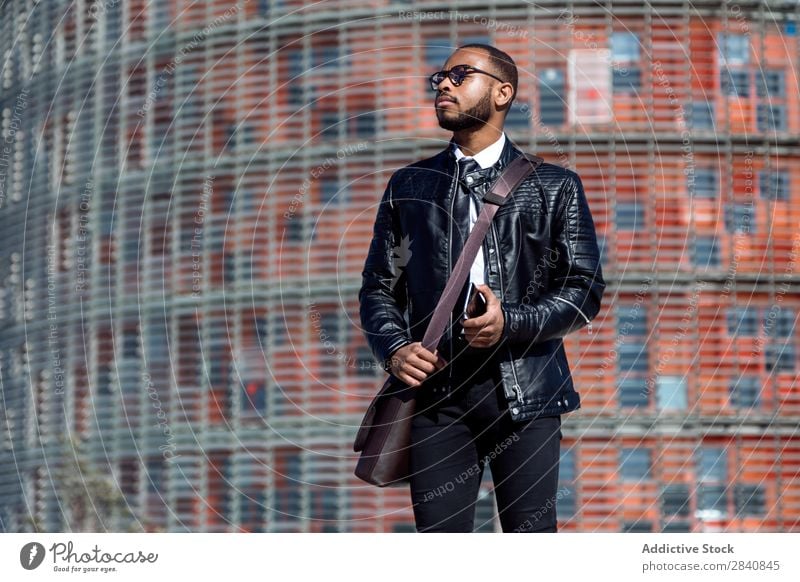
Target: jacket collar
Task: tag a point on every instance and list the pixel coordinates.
(510, 153)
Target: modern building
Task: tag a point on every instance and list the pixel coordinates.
(187, 192)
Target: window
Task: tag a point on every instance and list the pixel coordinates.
(774, 185)
(324, 503)
(632, 356)
(364, 124)
(706, 252)
(277, 329)
(247, 268)
(325, 56)
(739, 218)
(329, 188)
(288, 505)
(712, 501)
(735, 83)
(565, 498)
(742, 321)
(671, 393)
(625, 46)
(566, 465)
(744, 391)
(330, 124)
(130, 344)
(113, 12)
(626, 80)
(155, 476)
(629, 216)
(748, 500)
(675, 500)
(552, 97)
(638, 526)
(294, 229)
(229, 267)
(631, 320)
(780, 356)
(366, 362)
(601, 244)
(633, 392)
(228, 201)
(771, 83)
(252, 508)
(518, 116)
(295, 92)
(295, 80)
(296, 67)
(712, 464)
(476, 39)
(436, 53)
(635, 464)
(485, 511)
(734, 49)
(705, 183)
(676, 527)
(780, 323)
(702, 115)
(625, 62)
(771, 117)
(329, 327)
(253, 398)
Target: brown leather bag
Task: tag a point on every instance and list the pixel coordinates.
(384, 436)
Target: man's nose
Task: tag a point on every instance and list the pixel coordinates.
(445, 83)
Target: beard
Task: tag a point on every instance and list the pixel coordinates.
(475, 116)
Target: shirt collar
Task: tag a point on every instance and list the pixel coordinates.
(488, 156)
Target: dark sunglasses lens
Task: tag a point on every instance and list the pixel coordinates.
(457, 75)
(437, 78)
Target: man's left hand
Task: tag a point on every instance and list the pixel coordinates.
(485, 330)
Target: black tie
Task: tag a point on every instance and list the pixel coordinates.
(461, 220)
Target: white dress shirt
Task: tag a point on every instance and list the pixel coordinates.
(486, 158)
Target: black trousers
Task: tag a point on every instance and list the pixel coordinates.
(454, 435)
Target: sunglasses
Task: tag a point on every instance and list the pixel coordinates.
(457, 75)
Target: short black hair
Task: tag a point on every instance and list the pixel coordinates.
(503, 64)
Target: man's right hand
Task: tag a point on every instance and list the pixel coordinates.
(413, 363)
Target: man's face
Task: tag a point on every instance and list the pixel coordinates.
(469, 104)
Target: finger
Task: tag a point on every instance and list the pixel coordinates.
(426, 355)
(478, 322)
(476, 340)
(406, 379)
(483, 336)
(420, 364)
(487, 291)
(415, 373)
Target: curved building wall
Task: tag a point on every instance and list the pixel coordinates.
(187, 192)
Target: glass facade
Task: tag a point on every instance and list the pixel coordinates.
(187, 192)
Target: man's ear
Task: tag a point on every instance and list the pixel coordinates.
(506, 91)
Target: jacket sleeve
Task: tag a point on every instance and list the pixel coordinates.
(577, 285)
(383, 294)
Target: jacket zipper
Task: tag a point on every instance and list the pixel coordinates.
(588, 321)
(453, 192)
(517, 388)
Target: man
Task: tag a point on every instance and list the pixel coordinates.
(495, 388)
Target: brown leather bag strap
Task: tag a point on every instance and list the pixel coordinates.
(503, 186)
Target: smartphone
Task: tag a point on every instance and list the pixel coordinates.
(476, 306)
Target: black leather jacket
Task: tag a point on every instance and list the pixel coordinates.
(541, 260)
